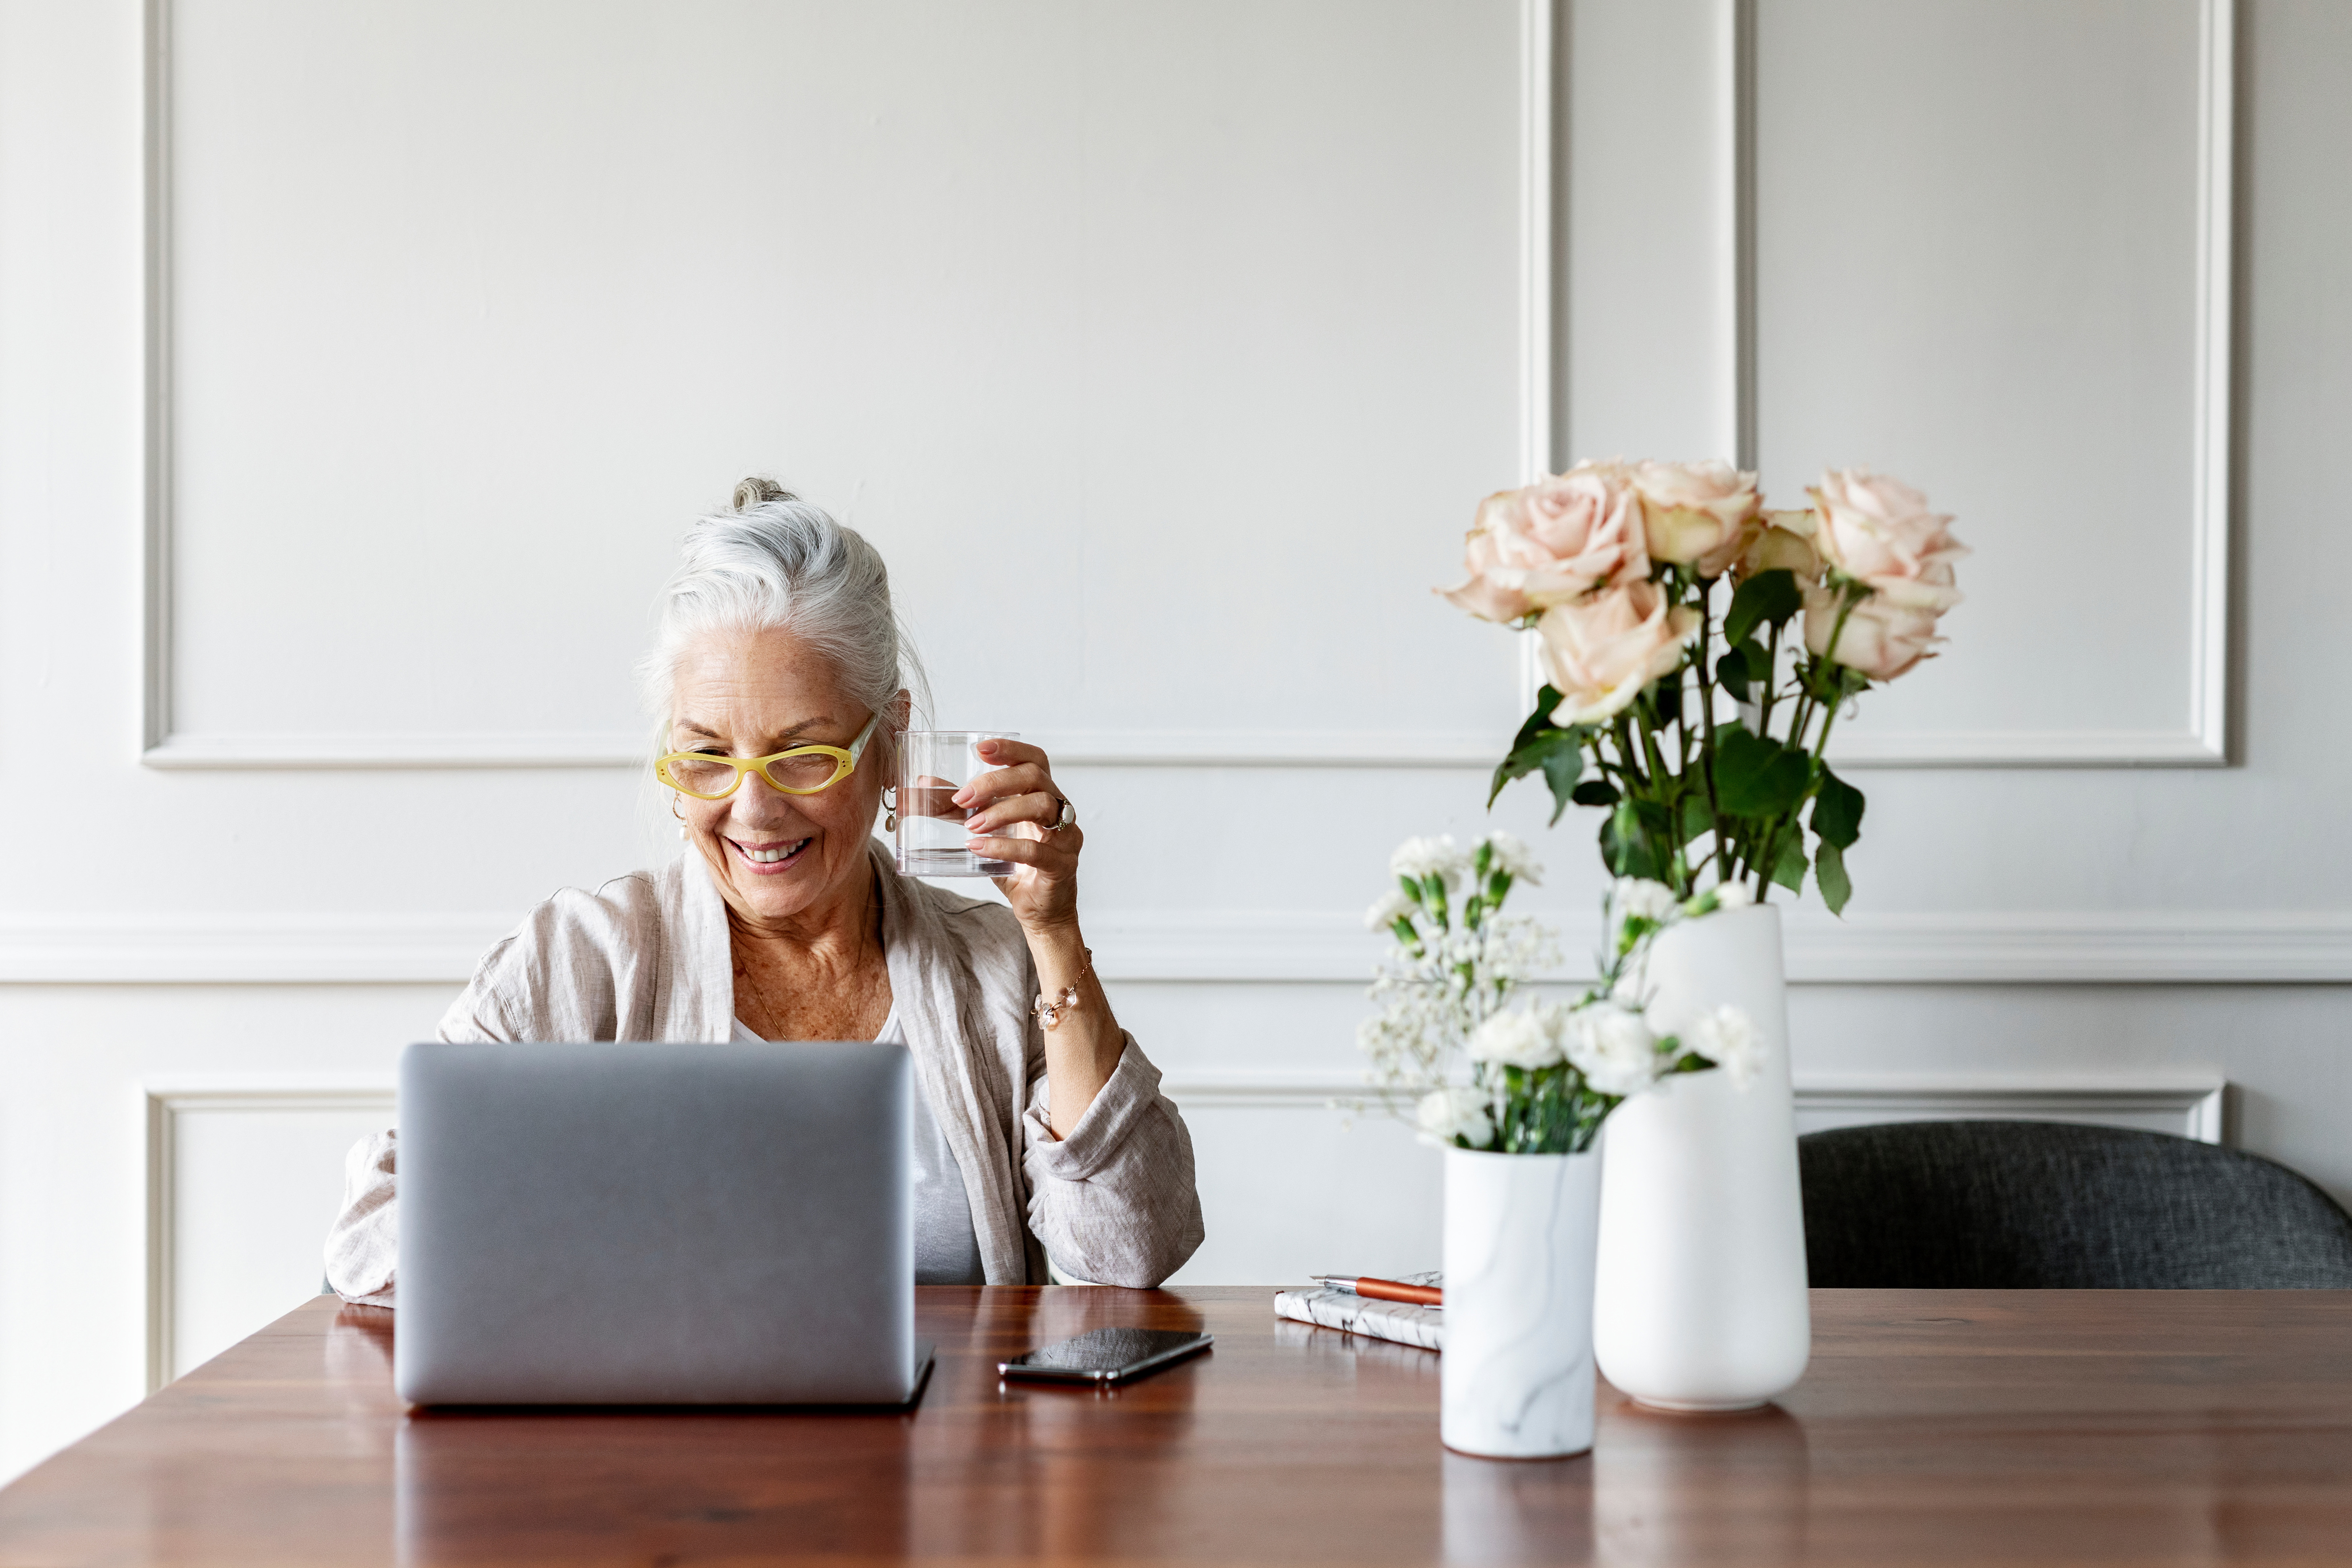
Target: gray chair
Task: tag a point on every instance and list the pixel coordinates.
(2048, 1206)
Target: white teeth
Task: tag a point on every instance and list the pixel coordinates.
(769, 857)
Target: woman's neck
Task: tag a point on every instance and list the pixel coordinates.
(834, 934)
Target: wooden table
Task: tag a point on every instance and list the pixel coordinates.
(2014, 1427)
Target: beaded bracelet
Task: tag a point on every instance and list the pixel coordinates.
(1048, 1010)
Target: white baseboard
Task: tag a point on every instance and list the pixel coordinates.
(2215, 947)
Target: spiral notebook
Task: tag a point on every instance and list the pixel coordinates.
(1396, 1320)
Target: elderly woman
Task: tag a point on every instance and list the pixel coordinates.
(783, 682)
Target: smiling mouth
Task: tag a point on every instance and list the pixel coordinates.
(773, 856)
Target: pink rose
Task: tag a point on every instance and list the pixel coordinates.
(1601, 651)
(1883, 637)
(1879, 530)
(1785, 544)
(1550, 541)
(1878, 533)
(1701, 514)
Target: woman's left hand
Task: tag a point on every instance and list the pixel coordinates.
(1014, 807)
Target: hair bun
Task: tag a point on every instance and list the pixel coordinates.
(752, 491)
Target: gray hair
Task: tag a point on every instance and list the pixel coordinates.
(774, 562)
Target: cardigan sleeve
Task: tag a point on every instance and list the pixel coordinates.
(1114, 1202)
(364, 1244)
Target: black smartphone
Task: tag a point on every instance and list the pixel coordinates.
(1105, 1355)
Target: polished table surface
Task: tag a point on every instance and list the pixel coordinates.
(1934, 1426)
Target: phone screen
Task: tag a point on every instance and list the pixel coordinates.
(1105, 1355)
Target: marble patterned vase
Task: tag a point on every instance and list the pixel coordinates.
(1516, 1371)
(1700, 1298)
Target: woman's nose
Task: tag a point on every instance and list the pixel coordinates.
(759, 801)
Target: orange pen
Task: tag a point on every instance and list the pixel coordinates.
(1381, 1290)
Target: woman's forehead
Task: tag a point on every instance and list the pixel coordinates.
(770, 679)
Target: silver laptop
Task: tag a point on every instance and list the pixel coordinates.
(656, 1224)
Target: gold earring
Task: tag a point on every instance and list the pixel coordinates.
(890, 800)
(679, 815)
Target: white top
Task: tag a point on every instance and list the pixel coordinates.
(946, 1249)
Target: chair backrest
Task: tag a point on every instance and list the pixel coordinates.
(2051, 1206)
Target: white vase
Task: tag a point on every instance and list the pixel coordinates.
(1517, 1372)
(1700, 1300)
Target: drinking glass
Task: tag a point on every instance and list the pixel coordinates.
(932, 765)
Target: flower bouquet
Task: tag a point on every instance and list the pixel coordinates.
(1694, 720)
(1541, 1078)
(1522, 1184)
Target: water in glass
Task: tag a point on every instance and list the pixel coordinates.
(933, 764)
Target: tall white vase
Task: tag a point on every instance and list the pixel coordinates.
(1517, 1374)
(1700, 1300)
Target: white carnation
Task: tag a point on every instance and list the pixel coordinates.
(1636, 896)
(1733, 895)
(1516, 1039)
(1447, 1113)
(1421, 857)
(1727, 1037)
(1613, 1049)
(1386, 910)
(1515, 859)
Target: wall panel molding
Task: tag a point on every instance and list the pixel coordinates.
(161, 1105)
(1212, 947)
(2204, 741)
(163, 745)
(2188, 1104)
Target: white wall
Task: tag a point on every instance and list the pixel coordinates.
(1163, 348)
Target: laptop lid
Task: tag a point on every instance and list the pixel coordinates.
(654, 1224)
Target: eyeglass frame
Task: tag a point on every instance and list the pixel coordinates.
(845, 764)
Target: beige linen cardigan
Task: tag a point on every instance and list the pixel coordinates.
(647, 957)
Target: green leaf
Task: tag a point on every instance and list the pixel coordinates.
(1828, 875)
(1539, 720)
(1594, 792)
(1563, 766)
(1789, 871)
(1552, 751)
(1731, 670)
(1769, 597)
(1625, 846)
(1758, 776)
(1837, 813)
(1668, 697)
(1833, 682)
(1696, 818)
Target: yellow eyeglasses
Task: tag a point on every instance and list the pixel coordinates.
(802, 770)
